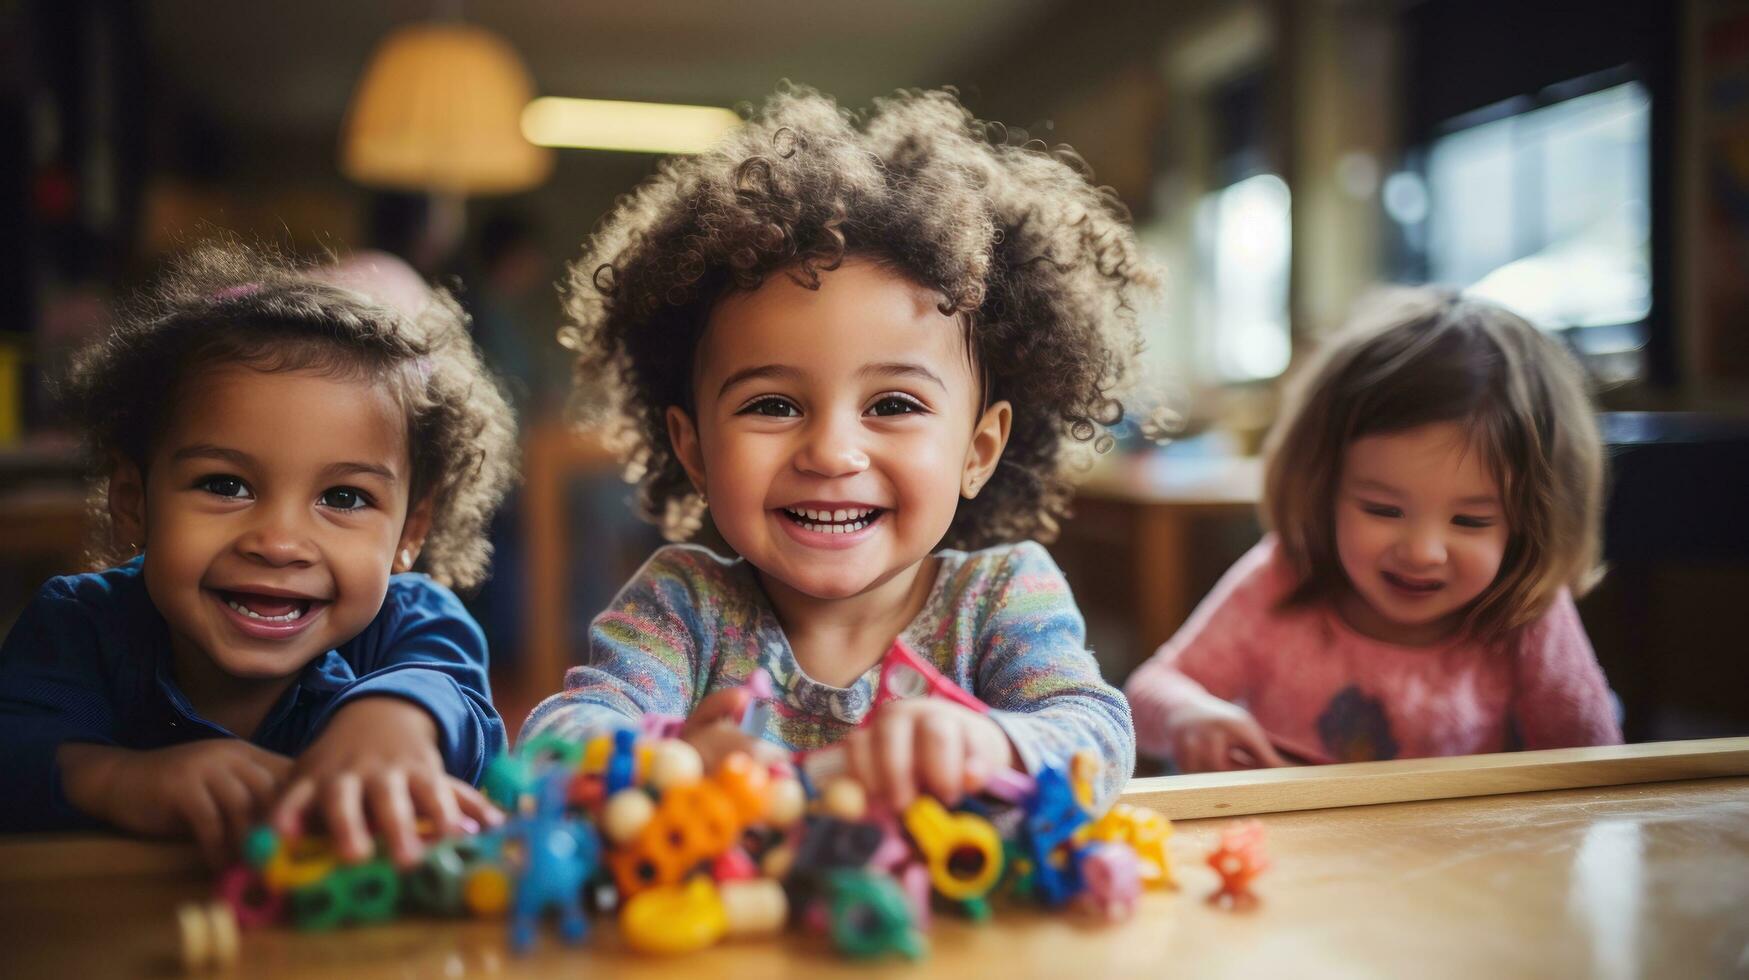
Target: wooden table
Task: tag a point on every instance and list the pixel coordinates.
(1645, 878)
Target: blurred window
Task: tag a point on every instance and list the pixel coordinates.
(1542, 204)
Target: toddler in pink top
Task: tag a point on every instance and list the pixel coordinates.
(1434, 491)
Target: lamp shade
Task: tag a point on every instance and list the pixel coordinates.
(439, 109)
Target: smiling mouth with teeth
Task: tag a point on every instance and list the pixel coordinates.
(268, 609)
(841, 521)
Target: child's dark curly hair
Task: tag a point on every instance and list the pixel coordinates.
(1040, 265)
(225, 303)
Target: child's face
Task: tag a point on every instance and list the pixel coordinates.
(836, 428)
(1420, 529)
(275, 506)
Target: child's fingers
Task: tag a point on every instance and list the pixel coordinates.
(1254, 741)
(343, 810)
(262, 784)
(859, 758)
(894, 755)
(391, 814)
(1187, 749)
(236, 804)
(202, 814)
(725, 705)
(434, 797)
(941, 758)
(475, 807)
(288, 814)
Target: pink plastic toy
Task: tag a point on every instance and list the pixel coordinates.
(1113, 880)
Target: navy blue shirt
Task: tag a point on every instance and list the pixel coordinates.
(89, 661)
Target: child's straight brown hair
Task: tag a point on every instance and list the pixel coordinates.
(1434, 357)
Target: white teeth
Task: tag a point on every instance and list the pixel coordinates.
(295, 614)
(850, 528)
(833, 516)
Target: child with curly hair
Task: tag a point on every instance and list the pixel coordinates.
(1434, 490)
(277, 454)
(857, 340)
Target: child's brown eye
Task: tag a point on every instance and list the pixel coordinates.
(772, 407)
(344, 498)
(225, 486)
(895, 405)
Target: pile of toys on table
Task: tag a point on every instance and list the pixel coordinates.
(630, 824)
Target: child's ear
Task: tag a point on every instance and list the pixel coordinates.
(683, 436)
(413, 532)
(988, 440)
(127, 504)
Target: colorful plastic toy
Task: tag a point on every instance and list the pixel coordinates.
(631, 823)
(1052, 817)
(558, 857)
(869, 916)
(1239, 858)
(1112, 878)
(962, 852)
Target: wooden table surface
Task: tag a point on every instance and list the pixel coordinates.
(1619, 881)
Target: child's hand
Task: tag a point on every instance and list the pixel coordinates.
(376, 767)
(926, 744)
(1216, 736)
(713, 730)
(216, 789)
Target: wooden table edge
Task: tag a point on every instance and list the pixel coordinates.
(1259, 791)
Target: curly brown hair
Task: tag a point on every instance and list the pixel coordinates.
(1040, 266)
(225, 303)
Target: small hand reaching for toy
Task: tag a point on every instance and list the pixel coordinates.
(376, 766)
(714, 730)
(929, 745)
(1217, 736)
(215, 789)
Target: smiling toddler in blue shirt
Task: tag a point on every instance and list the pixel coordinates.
(293, 473)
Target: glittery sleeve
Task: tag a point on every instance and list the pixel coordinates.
(647, 651)
(1038, 676)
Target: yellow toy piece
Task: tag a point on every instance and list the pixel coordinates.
(1145, 832)
(962, 850)
(674, 918)
(1083, 771)
(486, 892)
(300, 862)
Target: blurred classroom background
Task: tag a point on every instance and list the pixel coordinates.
(1586, 163)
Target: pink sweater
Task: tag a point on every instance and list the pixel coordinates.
(1329, 694)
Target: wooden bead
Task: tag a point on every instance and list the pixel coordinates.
(626, 813)
(784, 802)
(845, 799)
(674, 763)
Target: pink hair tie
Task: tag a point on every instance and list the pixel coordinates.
(237, 292)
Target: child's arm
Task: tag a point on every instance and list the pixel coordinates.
(64, 770)
(1183, 695)
(644, 657)
(1041, 681)
(1561, 698)
(52, 691)
(390, 742)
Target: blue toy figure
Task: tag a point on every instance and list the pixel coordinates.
(1052, 817)
(560, 855)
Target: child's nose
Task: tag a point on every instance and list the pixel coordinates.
(830, 448)
(277, 537)
(1425, 546)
